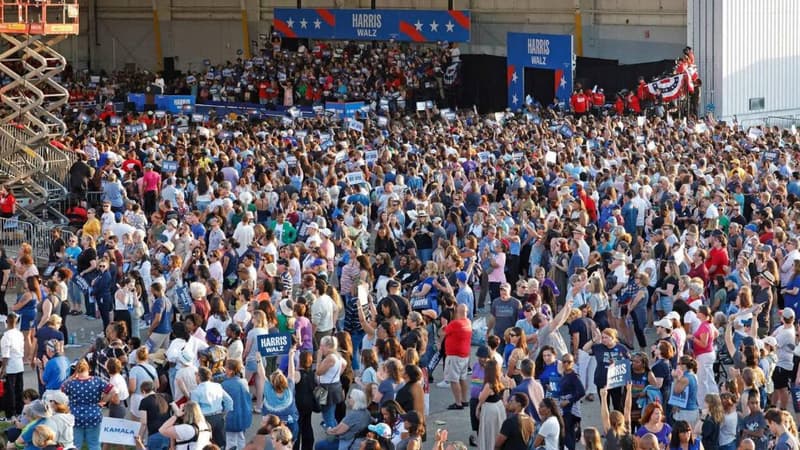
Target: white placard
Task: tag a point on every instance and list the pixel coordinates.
(384, 103)
(420, 106)
(294, 112)
(355, 125)
(287, 121)
(483, 157)
(383, 121)
(700, 128)
(291, 161)
(341, 156)
(300, 134)
(119, 431)
(355, 178)
(551, 157)
(651, 145)
(363, 294)
(640, 120)
(371, 156)
(517, 156)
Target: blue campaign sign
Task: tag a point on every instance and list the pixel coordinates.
(171, 103)
(169, 166)
(344, 110)
(374, 24)
(274, 344)
(538, 51)
(619, 374)
(174, 103)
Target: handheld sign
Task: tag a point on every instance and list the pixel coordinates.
(421, 106)
(355, 178)
(169, 166)
(363, 294)
(371, 156)
(274, 344)
(382, 122)
(119, 431)
(619, 374)
(356, 125)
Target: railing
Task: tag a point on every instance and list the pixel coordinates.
(16, 232)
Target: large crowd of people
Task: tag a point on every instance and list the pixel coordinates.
(537, 264)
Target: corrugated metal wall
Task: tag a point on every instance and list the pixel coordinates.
(747, 50)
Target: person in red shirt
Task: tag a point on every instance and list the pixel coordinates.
(579, 103)
(131, 163)
(633, 104)
(598, 101)
(619, 105)
(457, 340)
(718, 262)
(8, 204)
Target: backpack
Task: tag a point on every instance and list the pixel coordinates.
(194, 439)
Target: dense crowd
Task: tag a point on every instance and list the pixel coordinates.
(399, 74)
(648, 268)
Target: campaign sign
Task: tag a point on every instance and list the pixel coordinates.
(169, 166)
(619, 374)
(115, 121)
(344, 110)
(355, 178)
(356, 125)
(538, 51)
(409, 25)
(119, 431)
(274, 344)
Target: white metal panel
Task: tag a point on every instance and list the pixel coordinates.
(761, 56)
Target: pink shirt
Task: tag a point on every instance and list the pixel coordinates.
(498, 274)
(704, 327)
(151, 181)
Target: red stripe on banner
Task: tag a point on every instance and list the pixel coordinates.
(510, 73)
(327, 16)
(559, 75)
(460, 18)
(284, 29)
(411, 31)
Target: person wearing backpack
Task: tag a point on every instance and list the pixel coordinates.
(517, 431)
(192, 432)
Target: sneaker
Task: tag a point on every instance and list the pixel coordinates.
(455, 406)
(443, 384)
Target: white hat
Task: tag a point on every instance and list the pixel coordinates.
(771, 341)
(673, 315)
(664, 323)
(326, 232)
(287, 307)
(314, 225)
(169, 246)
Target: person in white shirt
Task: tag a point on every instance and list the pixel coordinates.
(323, 313)
(790, 255)
(244, 233)
(12, 350)
(552, 427)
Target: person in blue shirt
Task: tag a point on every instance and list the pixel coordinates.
(214, 402)
(39, 415)
(56, 370)
(630, 213)
(240, 417)
(161, 323)
(571, 392)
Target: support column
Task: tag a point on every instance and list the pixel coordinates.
(157, 37)
(578, 29)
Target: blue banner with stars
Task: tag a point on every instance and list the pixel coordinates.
(538, 51)
(373, 24)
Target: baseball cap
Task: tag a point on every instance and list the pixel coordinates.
(461, 276)
(771, 341)
(482, 352)
(664, 323)
(751, 227)
(788, 313)
(381, 429)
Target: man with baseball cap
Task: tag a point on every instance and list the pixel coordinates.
(505, 311)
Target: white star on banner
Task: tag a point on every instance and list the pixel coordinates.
(290, 23)
(514, 99)
(449, 25)
(563, 82)
(303, 23)
(434, 26)
(514, 77)
(317, 23)
(418, 25)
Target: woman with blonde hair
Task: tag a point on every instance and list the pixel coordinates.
(192, 433)
(490, 410)
(709, 426)
(25, 307)
(616, 424)
(279, 396)
(598, 301)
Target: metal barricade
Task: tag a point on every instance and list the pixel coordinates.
(15, 232)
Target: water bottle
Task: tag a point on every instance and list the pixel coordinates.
(72, 338)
